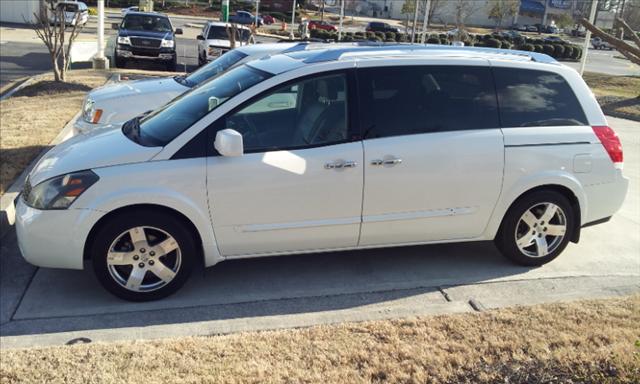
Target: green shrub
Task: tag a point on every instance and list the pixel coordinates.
(443, 36)
(380, 35)
(577, 52)
(93, 12)
(538, 48)
(558, 51)
(402, 38)
(506, 45)
(370, 35)
(487, 37)
(548, 49)
(568, 52)
(527, 47)
(519, 40)
(493, 43)
(433, 40)
(390, 36)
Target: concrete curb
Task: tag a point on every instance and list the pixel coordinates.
(6, 200)
(15, 87)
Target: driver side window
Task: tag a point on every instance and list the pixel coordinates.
(307, 113)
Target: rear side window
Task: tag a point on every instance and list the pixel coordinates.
(410, 100)
(531, 98)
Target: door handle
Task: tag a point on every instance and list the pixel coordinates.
(341, 164)
(390, 162)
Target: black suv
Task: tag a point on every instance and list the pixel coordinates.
(146, 36)
(376, 26)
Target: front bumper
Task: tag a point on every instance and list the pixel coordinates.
(153, 54)
(53, 238)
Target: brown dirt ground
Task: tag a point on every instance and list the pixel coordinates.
(31, 119)
(581, 342)
(618, 95)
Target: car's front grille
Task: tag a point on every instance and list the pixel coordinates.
(143, 42)
(145, 52)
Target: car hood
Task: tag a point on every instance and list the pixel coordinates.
(99, 148)
(138, 87)
(153, 34)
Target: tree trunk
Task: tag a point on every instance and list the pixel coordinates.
(627, 50)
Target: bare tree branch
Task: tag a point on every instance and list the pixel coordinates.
(627, 50)
(628, 31)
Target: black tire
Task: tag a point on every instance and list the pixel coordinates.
(172, 65)
(120, 62)
(117, 225)
(506, 238)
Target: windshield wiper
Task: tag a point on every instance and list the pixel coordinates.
(184, 81)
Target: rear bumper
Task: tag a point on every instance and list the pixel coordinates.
(603, 200)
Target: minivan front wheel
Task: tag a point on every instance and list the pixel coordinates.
(143, 255)
(537, 228)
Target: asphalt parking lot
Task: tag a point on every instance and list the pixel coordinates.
(46, 306)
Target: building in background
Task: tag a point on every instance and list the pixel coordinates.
(531, 12)
(18, 11)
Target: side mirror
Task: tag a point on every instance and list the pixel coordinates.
(200, 37)
(178, 31)
(229, 143)
(115, 26)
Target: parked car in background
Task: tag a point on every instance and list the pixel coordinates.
(323, 25)
(214, 40)
(553, 39)
(116, 103)
(376, 26)
(246, 164)
(532, 28)
(75, 13)
(519, 27)
(551, 29)
(244, 17)
(598, 43)
(124, 11)
(147, 36)
(579, 32)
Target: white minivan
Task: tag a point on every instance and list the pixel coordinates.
(324, 150)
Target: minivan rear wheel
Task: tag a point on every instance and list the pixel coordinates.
(143, 255)
(537, 228)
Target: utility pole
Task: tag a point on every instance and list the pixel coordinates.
(587, 37)
(425, 22)
(415, 21)
(257, 9)
(341, 18)
(99, 61)
(293, 20)
(322, 10)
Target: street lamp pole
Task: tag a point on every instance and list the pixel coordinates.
(423, 38)
(341, 18)
(293, 20)
(587, 37)
(415, 21)
(99, 61)
(257, 9)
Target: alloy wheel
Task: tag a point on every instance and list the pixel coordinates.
(541, 229)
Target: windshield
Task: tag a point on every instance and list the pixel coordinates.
(146, 23)
(219, 32)
(68, 7)
(216, 67)
(166, 123)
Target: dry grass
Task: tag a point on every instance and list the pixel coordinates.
(618, 95)
(586, 342)
(32, 118)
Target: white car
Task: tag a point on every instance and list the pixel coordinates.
(119, 102)
(75, 13)
(124, 11)
(325, 150)
(214, 40)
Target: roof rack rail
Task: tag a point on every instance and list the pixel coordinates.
(336, 53)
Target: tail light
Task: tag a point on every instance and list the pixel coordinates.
(611, 143)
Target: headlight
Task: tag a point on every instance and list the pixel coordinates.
(89, 112)
(124, 40)
(167, 43)
(58, 192)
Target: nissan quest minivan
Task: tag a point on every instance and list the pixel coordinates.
(330, 149)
